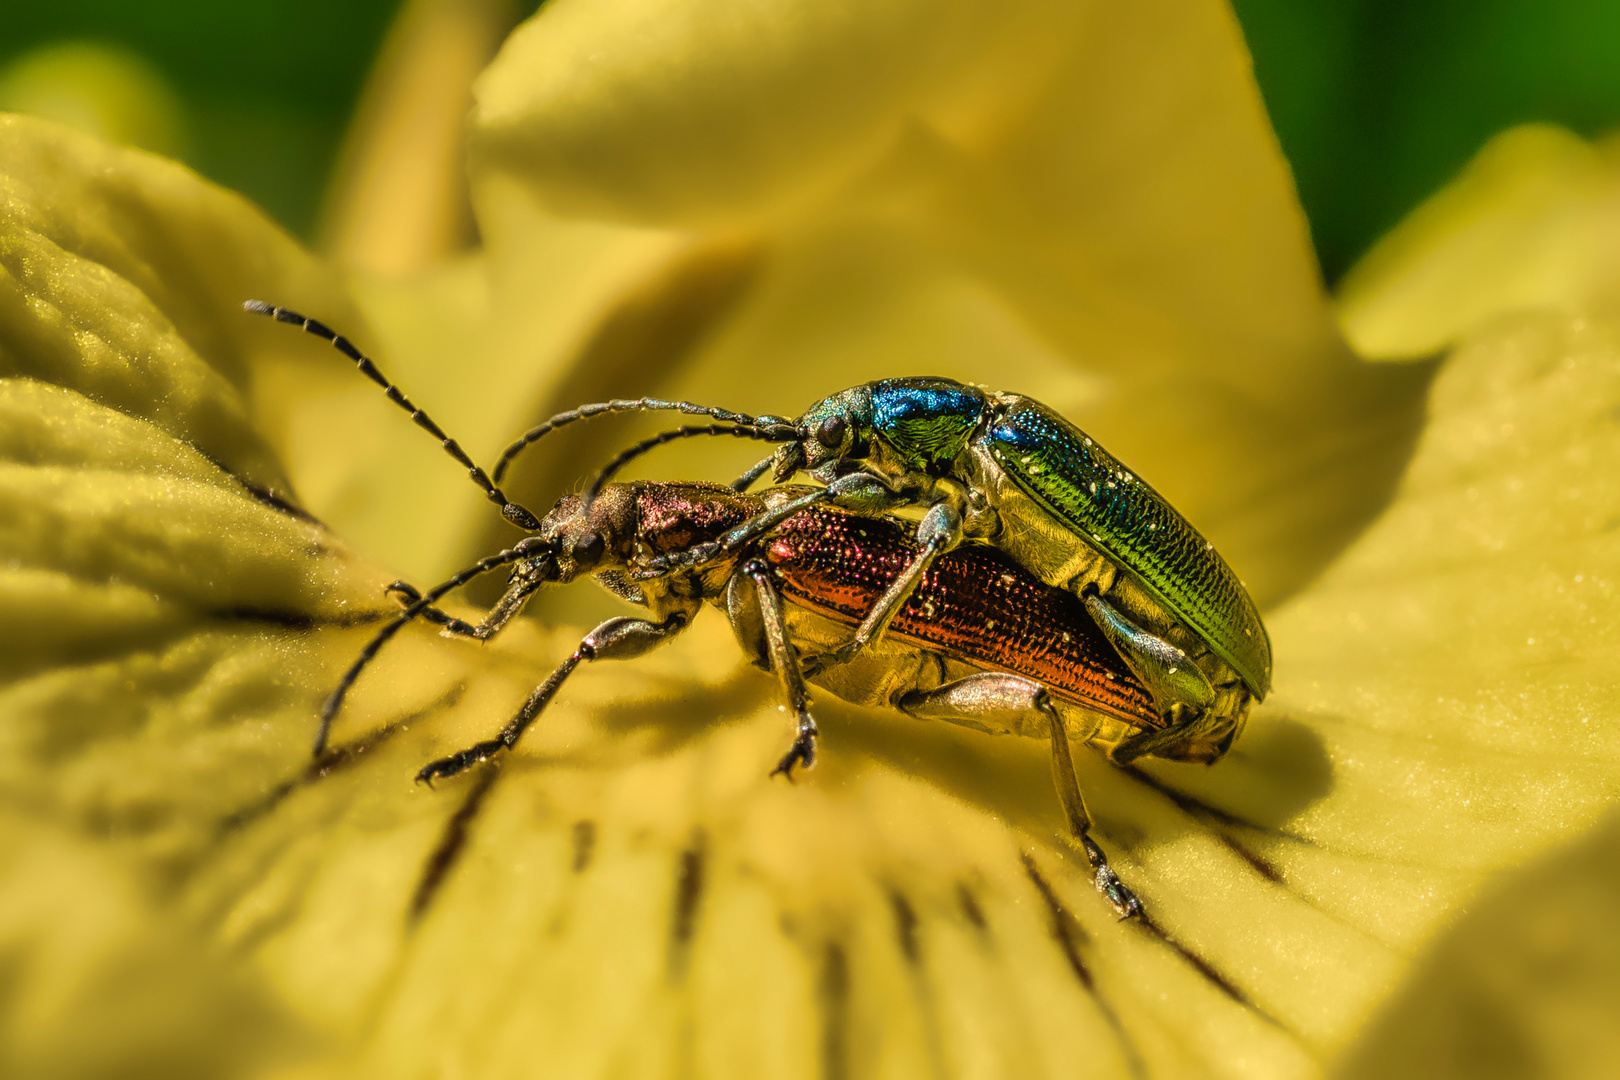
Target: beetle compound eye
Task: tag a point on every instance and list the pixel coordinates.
(831, 432)
(588, 549)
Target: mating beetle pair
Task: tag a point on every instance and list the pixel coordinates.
(1005, 469)
(998, 469)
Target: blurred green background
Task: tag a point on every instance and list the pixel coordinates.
(262, 91)
(1377, 102)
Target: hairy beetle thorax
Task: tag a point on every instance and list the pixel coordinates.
(676, 517)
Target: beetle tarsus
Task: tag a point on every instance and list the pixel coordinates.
(405, 594)
(460, 762)
(1114, 891)
(802, 752)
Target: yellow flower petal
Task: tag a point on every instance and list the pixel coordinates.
(1525, 983)
(163, 603)
(702, 111)
(108, 981)
(122, 276)
(1529, 224)
(397, 201)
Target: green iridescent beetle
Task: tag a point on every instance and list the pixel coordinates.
(1007, 470)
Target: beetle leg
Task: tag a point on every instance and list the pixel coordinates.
(1189, 729)
(1181, 690)
(761, 622)
(406, 594)
(698, 554)
(746, 480)
(939, 532)
(1168, 672)
(619, 638)
(1007, 700)
(505, 610)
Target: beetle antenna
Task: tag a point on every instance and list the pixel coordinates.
(768, 432)
(585, 412)
(522, 550)
(514, 513)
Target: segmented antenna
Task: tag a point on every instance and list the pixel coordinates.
(526, 548)
(765, 433)
(514, 513)
(585, 412)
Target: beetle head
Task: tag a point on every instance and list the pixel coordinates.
(916, 424)
(1211, 746)
(834, 431)
(577, 537)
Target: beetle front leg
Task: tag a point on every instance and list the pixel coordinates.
(619, 638)
(505, 610)
(405, 594)
(1004, 700)
(698, 554)
(939, 532)
(763, 618)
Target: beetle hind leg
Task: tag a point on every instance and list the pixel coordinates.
(1201, 719)
(1192, 736)
(1168, 672)
(1142, 743)
(993, 701)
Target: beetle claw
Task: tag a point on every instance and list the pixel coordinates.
(802, 752)
(450, 766)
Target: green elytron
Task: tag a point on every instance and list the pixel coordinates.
(1081, 485)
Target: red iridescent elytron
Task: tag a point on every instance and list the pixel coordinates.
(974, 603)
